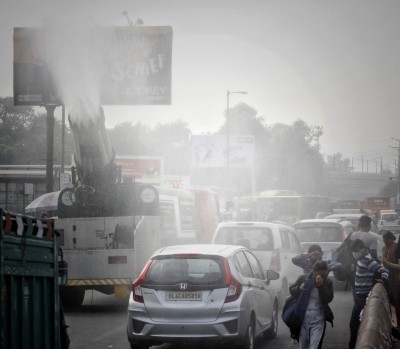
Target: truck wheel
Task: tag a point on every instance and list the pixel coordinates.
(72, 296)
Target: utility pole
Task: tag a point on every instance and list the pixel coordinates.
(50, 144)
(398, 171)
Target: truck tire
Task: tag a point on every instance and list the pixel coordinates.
(72, 296)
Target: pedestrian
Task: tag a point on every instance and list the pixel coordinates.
(366, 236)
(307, 260)
(368, 272)
(314, 292)
(391, 262)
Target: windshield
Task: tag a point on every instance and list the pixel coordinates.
(319, 234)
(254, 238)
(172, 270)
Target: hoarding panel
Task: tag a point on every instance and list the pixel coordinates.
(210, 151)
(133, 64)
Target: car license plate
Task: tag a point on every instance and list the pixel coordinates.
(183, 296)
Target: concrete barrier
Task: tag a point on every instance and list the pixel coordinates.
(376, 322)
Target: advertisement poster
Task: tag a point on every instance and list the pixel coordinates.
(176, 181)
(211, 151)
(128, 65)
(140, 169)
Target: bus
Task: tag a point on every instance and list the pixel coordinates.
(350, 204)
(374, 204)
(286, 207)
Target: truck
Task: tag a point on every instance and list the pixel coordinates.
(31, 272)
(108, 229)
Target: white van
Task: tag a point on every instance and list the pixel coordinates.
(274, 244)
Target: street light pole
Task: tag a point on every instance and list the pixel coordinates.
(398, 172)
(227, 187)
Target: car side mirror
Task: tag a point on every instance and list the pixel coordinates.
(272, 275)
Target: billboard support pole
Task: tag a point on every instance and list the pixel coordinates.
(50, 146)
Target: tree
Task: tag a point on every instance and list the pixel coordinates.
(294, 157)
(170, 141)
(23, 136)
(336, 162)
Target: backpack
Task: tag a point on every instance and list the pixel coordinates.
(343, 255)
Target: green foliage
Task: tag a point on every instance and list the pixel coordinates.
(286, 156)
(23, 136)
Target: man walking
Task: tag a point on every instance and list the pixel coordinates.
(364, 234)
(368, 272)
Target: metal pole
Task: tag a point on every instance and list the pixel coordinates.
(227, 148)
(63, 139)
(50, 148)
(398, 176)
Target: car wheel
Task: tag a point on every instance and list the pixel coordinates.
(249, 340)
(273, 329)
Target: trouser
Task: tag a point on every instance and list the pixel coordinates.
(312, 334)
(359, 303)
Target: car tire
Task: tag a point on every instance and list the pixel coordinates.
(250, 335)
(272, 331)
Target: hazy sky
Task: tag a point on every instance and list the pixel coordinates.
(334, 64)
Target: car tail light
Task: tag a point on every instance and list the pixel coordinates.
(235, 287)
(136, 286)
(276, 260)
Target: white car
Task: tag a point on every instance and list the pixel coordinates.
(388, 219)
(202, 292)
(354, 218)
(274, 244)
(327, 233)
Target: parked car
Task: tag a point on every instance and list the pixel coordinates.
(353, 218)
(202, 292)
(274, 244)
(389, 218)
(327, 233)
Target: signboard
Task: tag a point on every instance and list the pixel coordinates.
(140, 169)
(176, 181)
(132, 65)
(210, 151)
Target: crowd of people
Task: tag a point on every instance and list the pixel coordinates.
(314, 289)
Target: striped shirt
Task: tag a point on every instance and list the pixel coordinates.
(366, 272)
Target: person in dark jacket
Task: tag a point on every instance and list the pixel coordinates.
(368, 272)
(314, 292)
(306, 261)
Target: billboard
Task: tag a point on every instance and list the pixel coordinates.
(131, 65)
(210, 151)
(143, 169)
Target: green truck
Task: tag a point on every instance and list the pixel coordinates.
(31, 269)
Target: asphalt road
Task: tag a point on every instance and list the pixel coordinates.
(101, 323)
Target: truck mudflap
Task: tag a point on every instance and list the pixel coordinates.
(30, 311)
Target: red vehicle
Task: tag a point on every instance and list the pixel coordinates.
(374, 204)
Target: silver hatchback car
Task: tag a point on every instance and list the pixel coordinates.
(202, 292)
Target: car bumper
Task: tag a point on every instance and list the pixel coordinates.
(227, 327)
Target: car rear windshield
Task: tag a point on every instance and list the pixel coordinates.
(319, 234)
(198, 270)
(390, 217)
(254, 238)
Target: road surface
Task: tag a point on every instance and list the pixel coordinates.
(101, 323)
